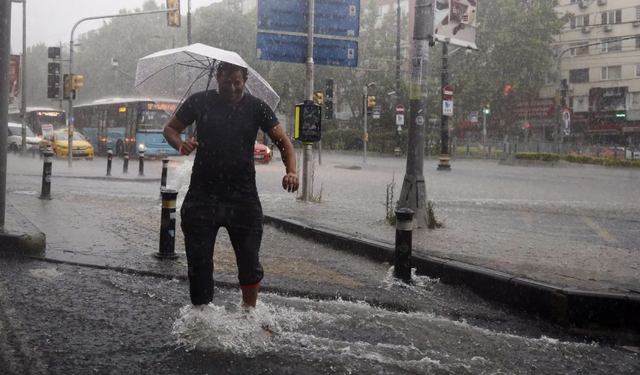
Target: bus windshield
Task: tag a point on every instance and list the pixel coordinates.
(152, 121)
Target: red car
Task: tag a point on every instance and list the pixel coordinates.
(262, 153)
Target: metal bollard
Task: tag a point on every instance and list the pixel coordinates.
(168, 225)
(141, 165)
(163, 180)
(404, 230)
(125, 166)
(109, 161)
(46, 176)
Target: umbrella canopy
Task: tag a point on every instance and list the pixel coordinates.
(176, 73)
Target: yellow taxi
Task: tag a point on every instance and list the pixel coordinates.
(59, 145)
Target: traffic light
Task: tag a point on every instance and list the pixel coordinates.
(318, 98)
(328, 91)
(563, 92)
(67, 87)
(53, 53)
(328, 113)
(76, 82)
(308, 122)
(507, 88)
(173, 17)
(371, 101)
(53, 80)
(487, 109)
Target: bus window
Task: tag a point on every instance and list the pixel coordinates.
(152, 121)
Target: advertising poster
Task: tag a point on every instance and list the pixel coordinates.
(14, 81)
(455, 22)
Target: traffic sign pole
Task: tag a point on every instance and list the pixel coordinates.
(397, 151)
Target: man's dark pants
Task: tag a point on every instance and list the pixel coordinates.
(200, 222)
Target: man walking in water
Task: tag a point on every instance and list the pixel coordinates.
(223, 192)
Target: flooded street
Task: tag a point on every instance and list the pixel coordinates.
(322, 311)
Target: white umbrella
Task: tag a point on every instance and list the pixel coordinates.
(176, 73)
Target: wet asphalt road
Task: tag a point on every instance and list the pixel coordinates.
(63, 319)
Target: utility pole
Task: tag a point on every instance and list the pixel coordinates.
(308, 147)
(188, 23)
(398, 14)
(414, 193)
(444, 126)
(5, 65)
(23, 82)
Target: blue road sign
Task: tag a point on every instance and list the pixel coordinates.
(332, 17)
(293, 48)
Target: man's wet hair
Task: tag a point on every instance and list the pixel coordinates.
(225, 68)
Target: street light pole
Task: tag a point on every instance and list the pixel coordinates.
(70, 118)
(308, 147)
(188, 23)
(365, 138)
(23, 84)
(5, 65)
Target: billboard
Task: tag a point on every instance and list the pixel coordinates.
(14, 81)
(455, 22)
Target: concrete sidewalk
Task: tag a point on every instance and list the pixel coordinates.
(586, 285)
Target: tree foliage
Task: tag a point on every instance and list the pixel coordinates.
(514, 38)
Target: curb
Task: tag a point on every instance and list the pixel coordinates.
(103, 178)
(570, 307)
(20, 235)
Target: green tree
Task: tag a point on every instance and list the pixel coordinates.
(514, 38)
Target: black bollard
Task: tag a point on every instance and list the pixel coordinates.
(125, 166)
(163, 180)
(168, 225)
(141, 165)
(404, 230)
(46, 176)
(109, 161)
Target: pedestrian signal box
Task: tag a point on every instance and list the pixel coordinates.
(308, 124)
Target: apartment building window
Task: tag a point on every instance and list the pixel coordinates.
(579, 76)
(635, 100)
(579, 21)
(611, 45)
(637, 70)
(611, 17)
(638, 13)
(637, 41)
(611, 72)
(383, 9)
(579, 48)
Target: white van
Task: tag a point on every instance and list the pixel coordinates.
(14, 139)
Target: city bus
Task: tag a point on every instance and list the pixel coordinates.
(125, 125)
(38, 116)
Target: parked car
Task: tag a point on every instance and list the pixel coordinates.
(14, 139)
(82, 149)
(262, 153)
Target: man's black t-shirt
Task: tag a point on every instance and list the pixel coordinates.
(224, 169)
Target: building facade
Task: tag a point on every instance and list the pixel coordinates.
(598, 64)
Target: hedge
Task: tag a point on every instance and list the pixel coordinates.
(581, 159)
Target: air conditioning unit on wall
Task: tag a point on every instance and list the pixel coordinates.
(586, 29)
(583, 4)
(636, 23)
(608, 27)
(602, 2)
